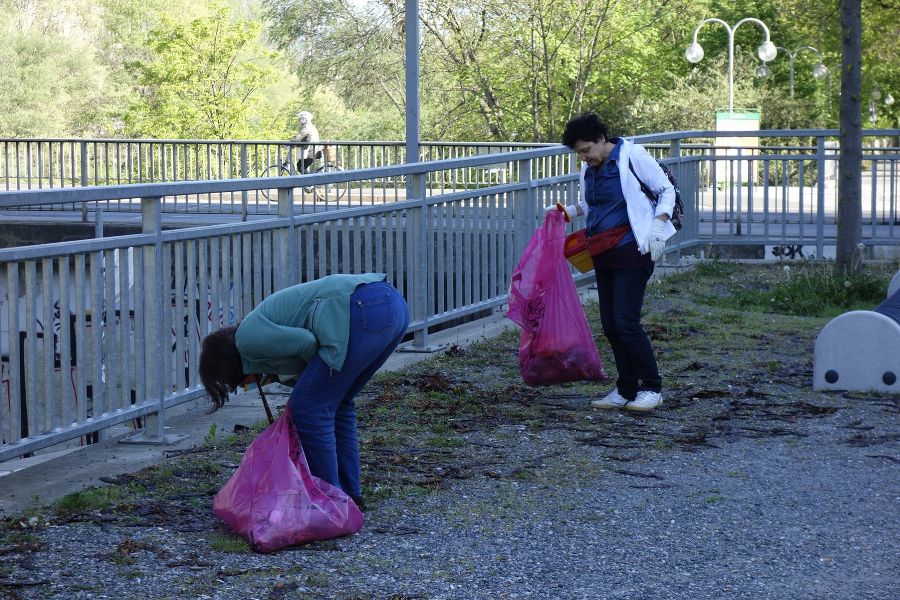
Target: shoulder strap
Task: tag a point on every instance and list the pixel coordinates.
(647, 191)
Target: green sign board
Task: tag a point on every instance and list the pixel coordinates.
(737, 115)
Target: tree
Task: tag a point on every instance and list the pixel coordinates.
(510, 71)
(206, 78)
(50, 84)
(850, 161)
(349, 50)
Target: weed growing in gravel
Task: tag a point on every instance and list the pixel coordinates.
(91, 499)
(226, 542)
(210, 438)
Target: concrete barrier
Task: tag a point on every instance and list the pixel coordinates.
(860, 350)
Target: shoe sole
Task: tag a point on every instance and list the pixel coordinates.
(641, 408)
(608, 406)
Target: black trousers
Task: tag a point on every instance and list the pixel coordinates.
(621, 295)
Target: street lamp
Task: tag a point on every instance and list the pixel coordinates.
(820, 71)
(875, 96)
(766, 50)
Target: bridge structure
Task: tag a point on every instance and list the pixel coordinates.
(104, 331)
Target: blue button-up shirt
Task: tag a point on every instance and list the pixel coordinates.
(606, 201)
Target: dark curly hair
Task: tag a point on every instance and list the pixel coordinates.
(587, 128)
(221, 369)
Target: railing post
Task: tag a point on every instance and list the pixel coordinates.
(420, 255)
(820, 201)
(525, 210)
(419, 268)
(675, 148)
(573, 185)
(156, 295)
(675, 152)
(285, 246)
(244, 176)
(98, 220)
(84, 177)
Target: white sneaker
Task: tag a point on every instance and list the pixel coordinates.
(645, 401)
(612, 400)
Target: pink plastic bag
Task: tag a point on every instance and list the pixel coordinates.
(556, 343)
(273, 501)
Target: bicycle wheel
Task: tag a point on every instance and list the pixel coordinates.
(278, 170)
(330, 191)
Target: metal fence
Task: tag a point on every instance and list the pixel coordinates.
(60, 163)
(99, 332)
(103, 331)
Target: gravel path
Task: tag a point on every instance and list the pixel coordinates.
(811, 515)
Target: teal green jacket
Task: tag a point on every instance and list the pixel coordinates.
(288, 328)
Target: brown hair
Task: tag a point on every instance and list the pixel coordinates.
(221, 369)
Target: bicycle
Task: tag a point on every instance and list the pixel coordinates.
(323, 163)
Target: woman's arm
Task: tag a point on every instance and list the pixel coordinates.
(259, 340)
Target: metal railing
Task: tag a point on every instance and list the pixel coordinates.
(98, 332)
(59, 163)
(103, 331)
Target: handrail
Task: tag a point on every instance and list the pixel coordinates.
(34, 197)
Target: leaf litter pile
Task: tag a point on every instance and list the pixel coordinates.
(465, 413)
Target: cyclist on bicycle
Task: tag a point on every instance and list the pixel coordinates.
(307, 135)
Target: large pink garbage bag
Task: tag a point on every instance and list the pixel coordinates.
(273, 501)
(556, 344)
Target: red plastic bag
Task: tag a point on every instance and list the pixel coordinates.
(556, 343)
(273, 501)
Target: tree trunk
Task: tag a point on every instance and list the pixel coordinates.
(849, 229)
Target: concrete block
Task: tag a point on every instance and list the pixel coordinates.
(858, 351)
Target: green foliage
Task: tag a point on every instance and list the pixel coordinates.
(210, 438)
(507, 71)
(49, 84)
(90, 499)
(207, 78)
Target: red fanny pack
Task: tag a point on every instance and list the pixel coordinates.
(596, 244)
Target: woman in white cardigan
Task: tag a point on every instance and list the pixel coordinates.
(636, 232)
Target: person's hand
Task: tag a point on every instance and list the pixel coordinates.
(570, 212)
(656, 243)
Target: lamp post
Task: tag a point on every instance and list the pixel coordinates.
(766, 51)
(874, 97)
(820, 71)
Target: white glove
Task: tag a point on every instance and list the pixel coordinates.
(656, 243)
(570, 211)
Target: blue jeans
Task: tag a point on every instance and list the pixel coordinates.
(322, 401)
(621, 295)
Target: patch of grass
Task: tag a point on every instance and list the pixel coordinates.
(226, 542)
(800, 289)
(91, 499)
